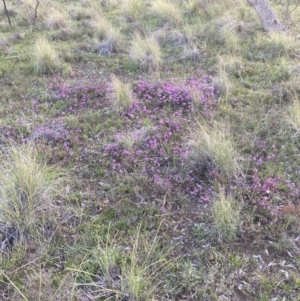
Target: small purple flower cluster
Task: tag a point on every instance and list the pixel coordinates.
(8, 133)
(77, 96)
(263, 195)
(197, 180)
(55, 135)
(185, 95)
(267, 193)
(293, 189)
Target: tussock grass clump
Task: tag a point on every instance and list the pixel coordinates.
(195, 7)
(168, 11)
(57, 19)
(274, 45)
(216, 142)
(294, 114)
(288, 42)
(226, 216)
(122, 94)
(28, 189)
(232, 64)
(217, 8)
(37, 282)
(229, 66)
(103, 29)
(26, 10)
(222, 81)
(146, 53)
(231, 39)
(45, 57)
(222, 32)
(80, 13)
(134, 273)
(132, 9)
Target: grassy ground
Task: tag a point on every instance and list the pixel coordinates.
(149, 151)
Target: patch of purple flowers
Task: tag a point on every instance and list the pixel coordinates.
(267, 193)
(77, 96)
(185, 95)
(158, 154)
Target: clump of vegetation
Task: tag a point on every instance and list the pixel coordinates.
(226, 216)
(168, 11)
(146, 53)
(294, 114)
(45, 57)
(29, 189)
(185, 161)
(216, 143)
(135, 273)
(103, 29)
(57, 19)
(132, 9)
(122, 98)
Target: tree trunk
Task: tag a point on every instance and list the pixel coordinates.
(267, 16)
(6, 12)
